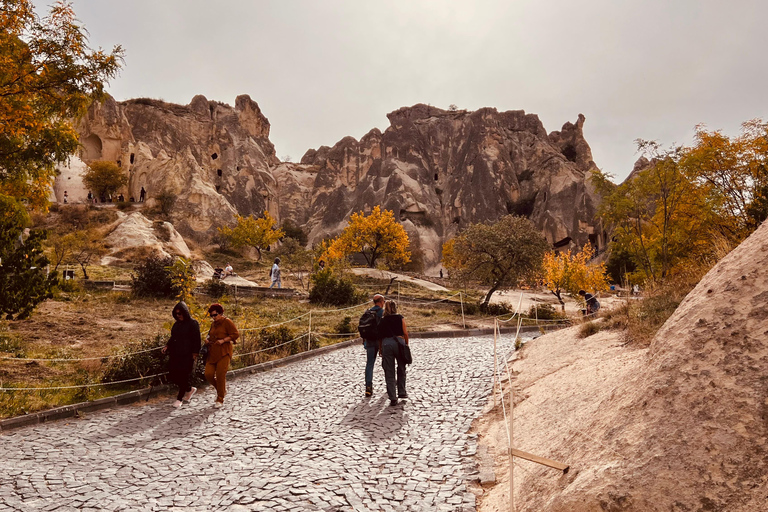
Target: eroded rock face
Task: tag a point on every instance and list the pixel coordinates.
(215, 158)
(439, 171)
(135, 231)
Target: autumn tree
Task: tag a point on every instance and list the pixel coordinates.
(569, 273)
(258, 233)
(24, 282)
(500, 255)
(375, 236)
(86, 247)
(104, 178)
(48, 76)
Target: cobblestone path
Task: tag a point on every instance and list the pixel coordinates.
(301, 437)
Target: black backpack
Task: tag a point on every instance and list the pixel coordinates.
(368, 326)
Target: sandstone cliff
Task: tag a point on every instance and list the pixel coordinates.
(436, 170)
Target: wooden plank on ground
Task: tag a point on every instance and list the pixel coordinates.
(540, 460)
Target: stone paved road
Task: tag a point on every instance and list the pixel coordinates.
(301, 437)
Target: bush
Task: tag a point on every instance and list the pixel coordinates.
(133, 365)
(589, 328)
(336, 291)
(345, 326)
(544, 312)
(470, 308)
(216, 289)
(166, 200)
(496, 309)
(151, 279)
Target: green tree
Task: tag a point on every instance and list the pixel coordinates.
(24, 282)
(376, 236)
(251, 232)
(502, 254)
(104, 178)
(48, 76)
(182, 277)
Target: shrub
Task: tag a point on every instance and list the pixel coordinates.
(470, 308)
(336, 291)
(132, 365)
(275, 336)
(166, 200)
(345, 326)
(544, 312)
(215, 288)
(589, 328)
(151, 279)
(496, 309)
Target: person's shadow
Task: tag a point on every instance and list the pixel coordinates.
(376, 419)
(159, 421)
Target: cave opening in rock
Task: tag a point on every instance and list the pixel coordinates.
(435, 176)
(218, 171)
(214, 156)
(562, 243)
(133, 156)
(218, 187)
(119, 163)
(569, 152)
(92, 147)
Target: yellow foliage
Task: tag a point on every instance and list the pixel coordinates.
(375, 236)
(251, 232)
(569, 273)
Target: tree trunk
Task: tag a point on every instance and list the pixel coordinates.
(559, 299)
(490, 292)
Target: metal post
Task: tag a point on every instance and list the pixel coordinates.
(398, 292)
(309, 336)
(511, 444)
(536, 309)
(463, 322)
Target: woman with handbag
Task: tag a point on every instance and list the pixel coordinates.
(220, 341)
(393, 332)
(182, 348)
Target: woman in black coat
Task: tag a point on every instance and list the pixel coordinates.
(183, 348)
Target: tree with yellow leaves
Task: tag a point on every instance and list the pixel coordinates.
(376, 236)
(258, 233)
(48, 76)
(569, 273)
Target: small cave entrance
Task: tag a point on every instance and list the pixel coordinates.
(569, 152)
(133, 158)
(92, 147)
(436, 176)
(218, 187)
(218, 171)
(214, 156)
(562, 243)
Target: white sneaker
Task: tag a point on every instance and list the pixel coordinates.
(218, 405)
(189, 394)
(177, 404)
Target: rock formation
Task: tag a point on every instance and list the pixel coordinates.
(136, 232)
(438, 171)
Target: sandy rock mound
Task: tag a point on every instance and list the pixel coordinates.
(688, 431)
(137, 232)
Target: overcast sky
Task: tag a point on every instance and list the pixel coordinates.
(321, 70)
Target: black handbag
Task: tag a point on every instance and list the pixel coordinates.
(204, 352)
(405, 351)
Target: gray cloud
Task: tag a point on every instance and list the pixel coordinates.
(321, 70)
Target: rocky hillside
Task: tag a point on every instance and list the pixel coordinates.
(680, 426)
(437, 170)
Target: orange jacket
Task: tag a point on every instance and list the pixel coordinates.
(219, 330)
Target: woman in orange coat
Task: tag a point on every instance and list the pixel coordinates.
(220, 341)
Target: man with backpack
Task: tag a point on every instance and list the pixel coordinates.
(368, 327)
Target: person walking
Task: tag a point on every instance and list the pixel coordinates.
(393, 331)
(274, 274)
(142, 195)
(182, 348)
(369, 331)
(220, 341)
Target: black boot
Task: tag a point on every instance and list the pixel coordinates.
(368, 391)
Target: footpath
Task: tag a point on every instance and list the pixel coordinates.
(298, 437)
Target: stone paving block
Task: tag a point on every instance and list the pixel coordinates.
(297, 437)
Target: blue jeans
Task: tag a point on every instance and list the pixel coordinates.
(371, 348)
(390, 352)
(279, 283)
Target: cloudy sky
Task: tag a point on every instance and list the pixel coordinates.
(324, 69)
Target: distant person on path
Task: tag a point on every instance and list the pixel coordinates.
(392, 328)
(369, 331)
(274, 274)
(66, 197)
(592, 304)
(441, 273)
(90, 197)
(182, 348)
(228, 271)
(142, 195)
(220, 341)
(121, 198)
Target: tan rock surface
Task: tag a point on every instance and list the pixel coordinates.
(135, 231)
(680, 426)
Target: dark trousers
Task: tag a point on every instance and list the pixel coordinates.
(179, 373)
(390, 352)
(371, 348)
